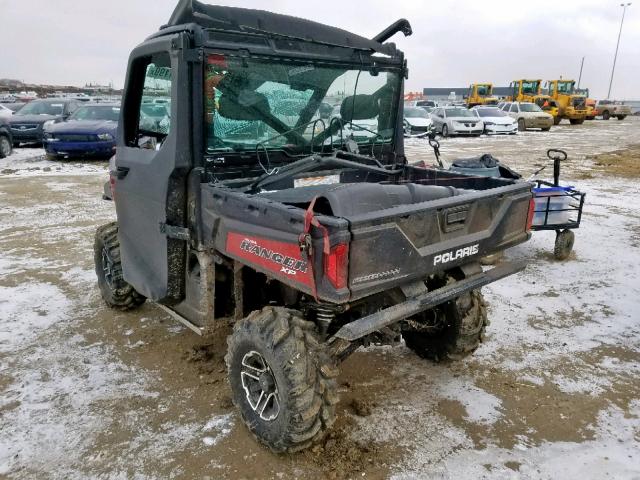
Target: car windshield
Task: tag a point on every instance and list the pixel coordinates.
(38, 107)
(415, 112)
(102, 112)
(529, 107)
(270, 103)
(490, 112)
(458, 112)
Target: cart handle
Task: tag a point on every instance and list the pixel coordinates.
(555, 154)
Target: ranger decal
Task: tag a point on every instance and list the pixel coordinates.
(278, 257)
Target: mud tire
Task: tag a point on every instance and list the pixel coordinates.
(564, 244)
(466, 320)
(606, 115)
(6, 147)
(304, 375)
(116, 292)
(621, 117)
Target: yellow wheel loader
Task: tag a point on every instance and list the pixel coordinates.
(481, 94)
(572, 105)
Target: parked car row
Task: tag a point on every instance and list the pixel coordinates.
(505, 118)
(65, 127)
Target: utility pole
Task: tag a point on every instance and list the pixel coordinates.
(580, 76)
(615, 57)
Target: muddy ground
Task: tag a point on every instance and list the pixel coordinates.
(554, 392)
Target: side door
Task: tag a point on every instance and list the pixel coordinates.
(153, 159)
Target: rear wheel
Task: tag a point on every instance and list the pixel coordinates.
(606, 115)
(5, 146)
(116, 292)
(621, 117)
(456, 333)
(564, 244)
(546, 129)
(522, 126)
(445, 131)
(282, 380)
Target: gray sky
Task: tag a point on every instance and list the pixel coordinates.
(454, 43)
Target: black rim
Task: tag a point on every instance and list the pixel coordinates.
(107, 267)
(260, 387)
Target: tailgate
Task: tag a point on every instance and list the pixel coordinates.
(393, 246)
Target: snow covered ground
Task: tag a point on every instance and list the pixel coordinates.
(554, 392)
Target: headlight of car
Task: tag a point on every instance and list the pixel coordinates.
(105, 136)
(489, 123)
(48, 137)
(48, 123)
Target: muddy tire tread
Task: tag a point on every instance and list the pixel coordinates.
(311, 378)
(124, 297)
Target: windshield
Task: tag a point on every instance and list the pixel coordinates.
(267, 103)
(458, 112)
(416, 112)
(42, 108)
(102, 112)
(530, 86)
(491, 112)
(565, 87)
(529, 107)
(483, 90)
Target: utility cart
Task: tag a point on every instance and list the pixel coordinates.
(557, 207)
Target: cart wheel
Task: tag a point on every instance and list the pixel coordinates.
(564, 244)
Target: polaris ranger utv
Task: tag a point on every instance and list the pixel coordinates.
(274, 194)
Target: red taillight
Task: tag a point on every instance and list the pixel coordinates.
(532, 209)
(336, 263)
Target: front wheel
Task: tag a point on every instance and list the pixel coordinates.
(621, 117)
(576, 121)
(606, 115)
(564, 244)
(116, 292)
(522, 125)
(557, 120)
(456, 333)
(5, 147)
(282, 380)
(445, 131)
(546, 129)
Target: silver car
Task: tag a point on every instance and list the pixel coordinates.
(456, 121)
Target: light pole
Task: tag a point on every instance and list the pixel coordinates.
(624, 8)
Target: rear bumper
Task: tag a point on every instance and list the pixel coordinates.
(80, 149)
(412, 306)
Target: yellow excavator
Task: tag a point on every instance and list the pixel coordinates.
(526, 90)
(572, 105)
(481, 94)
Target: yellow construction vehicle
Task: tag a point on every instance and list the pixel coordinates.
(481, 94)
(572, 105)
(589, 102)
(525, 90)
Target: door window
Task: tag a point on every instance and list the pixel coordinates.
(514, 107)
(149, 98)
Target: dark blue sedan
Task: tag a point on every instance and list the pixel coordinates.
(89, 132)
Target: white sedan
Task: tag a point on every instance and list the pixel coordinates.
(496, 121)
(417, 122)
(456, 121)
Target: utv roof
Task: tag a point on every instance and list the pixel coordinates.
(249, 21)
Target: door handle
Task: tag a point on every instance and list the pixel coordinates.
(121, 172)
